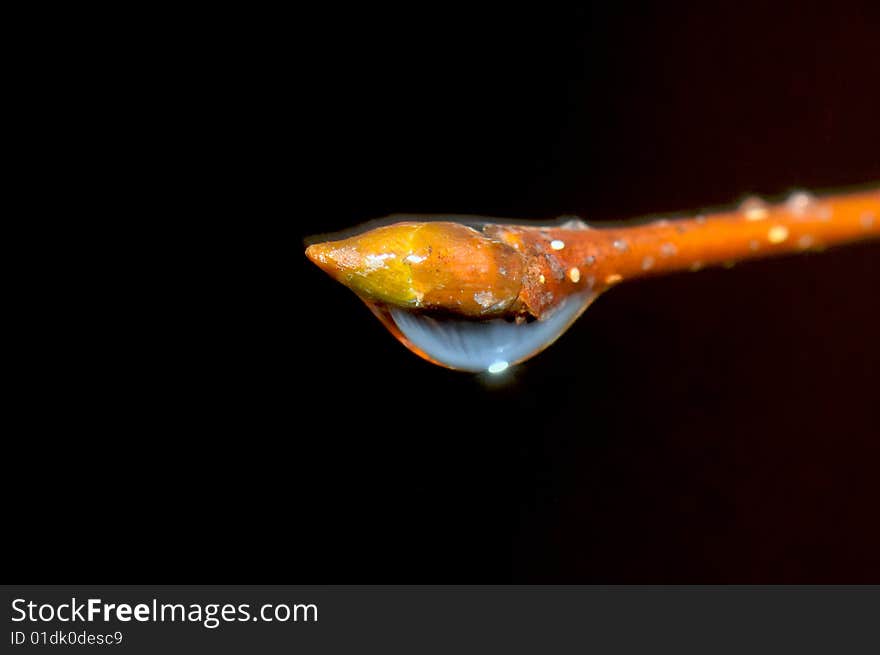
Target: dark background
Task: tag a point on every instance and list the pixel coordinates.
(229, 414)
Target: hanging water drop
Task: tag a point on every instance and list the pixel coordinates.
(483, 297)
(479, 345)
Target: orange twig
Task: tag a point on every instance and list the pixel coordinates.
(510, 270)
(561, 259)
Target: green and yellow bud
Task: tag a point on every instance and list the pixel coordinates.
(437, 266)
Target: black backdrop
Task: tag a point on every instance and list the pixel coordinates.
(250, 421)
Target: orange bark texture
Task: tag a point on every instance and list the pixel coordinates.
(511, 270)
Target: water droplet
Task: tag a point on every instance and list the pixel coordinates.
(620, 244)
(777, 234)
(574, 274)
(573, 223)
(754, 209)
(476, 346)
(556, 244)
(799, 203)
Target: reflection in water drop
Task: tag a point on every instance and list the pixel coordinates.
(489, 345)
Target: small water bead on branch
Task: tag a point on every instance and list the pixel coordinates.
(483, 300)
